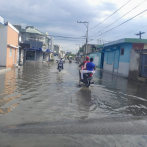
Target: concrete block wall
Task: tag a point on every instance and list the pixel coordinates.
(134, 64)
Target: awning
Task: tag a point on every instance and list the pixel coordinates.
(23, 45)
(12, 46)
(49, 51)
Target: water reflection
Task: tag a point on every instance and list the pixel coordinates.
(8, 92)
(84, 102)
(122, 96)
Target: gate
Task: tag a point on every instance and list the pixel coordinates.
(144, 66)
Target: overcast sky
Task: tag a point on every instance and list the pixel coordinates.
(59, 18)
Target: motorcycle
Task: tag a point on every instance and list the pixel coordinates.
(60, 67)
(87, 79)
(70, 61)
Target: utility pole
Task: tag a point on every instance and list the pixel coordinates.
(140, 33)
(86, 36)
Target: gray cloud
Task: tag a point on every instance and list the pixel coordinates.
(59, 17)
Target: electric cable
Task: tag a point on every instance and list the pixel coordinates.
(123, 16)
(66, 37)
(120, 24)
(110, 15)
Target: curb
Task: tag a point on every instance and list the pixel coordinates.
(4, 70)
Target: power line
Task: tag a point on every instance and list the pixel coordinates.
(110, 15)
(66, 37)
(121, 24)
(129, 31)
(132, 31)
(123, 15)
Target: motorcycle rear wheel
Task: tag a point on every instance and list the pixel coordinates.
(87, 83)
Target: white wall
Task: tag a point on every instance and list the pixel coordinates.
(3, 45)
(124, 69)
(96, 60)
(108, 67)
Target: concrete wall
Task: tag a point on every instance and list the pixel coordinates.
(123, 69)
(134, 64)
(3, 45)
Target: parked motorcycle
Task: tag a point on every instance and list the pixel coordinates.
(87, 79)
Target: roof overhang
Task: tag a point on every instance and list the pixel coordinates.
(12, 46)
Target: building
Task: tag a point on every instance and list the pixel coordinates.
(90, 48)
(114, 57)
(59, 53)
(62, 52)
(9, 50)
(138, 64)
(34, 45)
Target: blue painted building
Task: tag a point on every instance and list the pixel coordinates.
(117, 55)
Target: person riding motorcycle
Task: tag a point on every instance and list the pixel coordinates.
(61, 63)
(90, 67)
(70, 61)
(83, 65)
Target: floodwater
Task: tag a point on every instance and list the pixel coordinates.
(41, 107)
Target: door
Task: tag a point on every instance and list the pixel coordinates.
(116, 59)
(144, 66)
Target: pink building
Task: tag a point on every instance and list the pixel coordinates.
(8, 45)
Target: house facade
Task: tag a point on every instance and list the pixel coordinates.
(90, 48)
(117, 55)
(34, 45)
(9, 49)
(114, 57)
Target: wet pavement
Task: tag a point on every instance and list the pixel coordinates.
(41, 107)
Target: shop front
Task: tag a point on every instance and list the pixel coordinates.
(30, 55)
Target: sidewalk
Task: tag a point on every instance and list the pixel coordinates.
(4, 69)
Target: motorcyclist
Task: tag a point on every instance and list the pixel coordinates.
(60, 62)
(90, 68)
(83, 65)
(70, 60)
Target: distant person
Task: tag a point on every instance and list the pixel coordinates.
(60, 62)
(83, 65)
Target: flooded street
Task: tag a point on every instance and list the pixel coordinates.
(41, 107)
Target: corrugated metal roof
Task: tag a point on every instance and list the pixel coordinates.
(35, 31)
(32, 30)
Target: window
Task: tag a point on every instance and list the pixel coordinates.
(10, 52)
(122, 51)
(30, 55)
